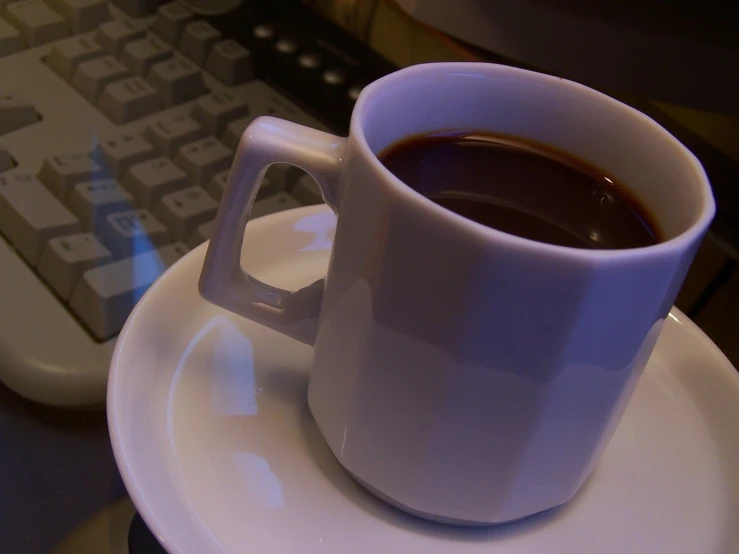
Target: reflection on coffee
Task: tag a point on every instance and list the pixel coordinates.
(522, 188)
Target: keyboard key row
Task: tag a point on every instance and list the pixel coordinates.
(164, 80)
(124, 172)
(108, 209)
(103, 271)
(107, 83)
(133, 160)
(227, 60)
(146, 176)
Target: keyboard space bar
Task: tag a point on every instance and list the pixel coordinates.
(45, 354)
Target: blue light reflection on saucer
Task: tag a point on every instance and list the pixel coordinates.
(222, 350)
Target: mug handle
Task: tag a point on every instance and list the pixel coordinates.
(223, 282)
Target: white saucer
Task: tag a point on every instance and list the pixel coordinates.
(213, 437)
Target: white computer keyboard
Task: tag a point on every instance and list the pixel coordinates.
(116, 135)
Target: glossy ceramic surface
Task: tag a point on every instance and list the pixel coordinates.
(217, 447)
(466, 374)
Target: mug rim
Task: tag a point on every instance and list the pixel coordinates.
(679, 242)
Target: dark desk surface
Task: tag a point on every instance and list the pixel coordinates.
(56, 470)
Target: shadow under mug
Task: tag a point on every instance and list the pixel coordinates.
(461, 373)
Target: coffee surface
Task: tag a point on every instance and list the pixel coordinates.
(522, 188)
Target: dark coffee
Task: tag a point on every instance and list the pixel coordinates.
(522, 188)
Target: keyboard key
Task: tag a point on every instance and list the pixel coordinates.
(67, 54)
(6, 160)
(137, 8)
(273, 204)
(217, 185)
(82, 15)
(150, 180)
(15, 111)
(202, 233)
(203, 158)
(120, 152)
(170, 22)
(232, 135)
(115, 34)
(264, 100)
(216, 110)
(197, 39)
(93, 201)
(170, 132)
(11, 40)
(129, 99)
(65, 259)
(306, 191)
(133, 232)
(230, 62)
(60, 173)
(37, 22)
(184, 210)
(91, 77)
(30, 215)
(105, 295)
(140, 55)
(177, 80)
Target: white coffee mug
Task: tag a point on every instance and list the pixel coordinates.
(461, 373)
